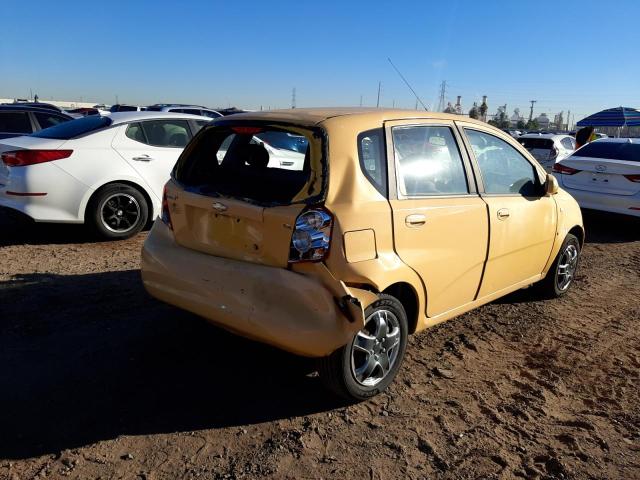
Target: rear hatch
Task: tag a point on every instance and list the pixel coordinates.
(540, 148)
(228, 198)
(602, 174)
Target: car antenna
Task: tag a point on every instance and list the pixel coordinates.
(405, 81)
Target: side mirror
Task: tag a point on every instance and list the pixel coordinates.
(551, 185)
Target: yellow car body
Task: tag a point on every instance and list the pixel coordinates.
(228, 259)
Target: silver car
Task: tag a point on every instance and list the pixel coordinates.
(548, 148)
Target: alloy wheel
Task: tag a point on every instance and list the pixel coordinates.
(374, 349)
(120, 212)
(567, 266)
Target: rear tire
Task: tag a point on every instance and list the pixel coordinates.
(117, 211)
(370, 361)
(562, 273)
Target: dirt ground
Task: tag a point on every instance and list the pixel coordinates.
(98, 380)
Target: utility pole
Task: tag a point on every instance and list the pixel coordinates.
(293, 98)
(531, 111)
(568, 120)
(360, 100)
(379, 88)
(443, 91)
(416, 104)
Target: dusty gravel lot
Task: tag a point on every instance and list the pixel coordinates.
(98, 380)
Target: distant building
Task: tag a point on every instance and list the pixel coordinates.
(543, 121)
(516, 118)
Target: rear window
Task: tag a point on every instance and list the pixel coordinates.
(15, 122)
(538, 143)
(611, 150)
(74, 128)
(238, 162)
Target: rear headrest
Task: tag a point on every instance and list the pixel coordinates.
(256, 155)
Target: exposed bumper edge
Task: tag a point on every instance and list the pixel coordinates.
(292, 311)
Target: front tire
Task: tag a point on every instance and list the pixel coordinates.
(370, 361)
(117, 211)
(562, 273)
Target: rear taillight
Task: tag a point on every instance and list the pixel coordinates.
(311, 237)
(165, 214)
(633, 178)
(23, 158)
(560, 168)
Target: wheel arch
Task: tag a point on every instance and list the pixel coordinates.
(147, 197)
(408, 297)
(578, 231)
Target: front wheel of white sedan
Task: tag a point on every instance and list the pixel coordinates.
(369, 363)
(117, 211)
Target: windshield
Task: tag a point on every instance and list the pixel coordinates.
(611, 150)
(74, 128)
(239, 162)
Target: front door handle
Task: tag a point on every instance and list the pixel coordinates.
(415, 220)
(503, 213)
(142, 158)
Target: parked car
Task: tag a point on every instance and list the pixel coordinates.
(604, 175)
(346, 256)
(106, 171)
(125, 108)
(178, 108)
(45, 106)
(548, 148)
(24, 120)
(84, 111)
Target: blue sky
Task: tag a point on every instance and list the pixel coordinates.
(575, 55)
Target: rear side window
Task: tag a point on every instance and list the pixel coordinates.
(629, 152)
(15, 122)
(192, 111)
(47, 120)
(74, 128)
(234, 161)
(210, 114)
(428, 161)
(537, 143)
(166, 133)
(568, 143)
(372, 157)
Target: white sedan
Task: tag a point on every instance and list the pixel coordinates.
(604, 175)
(107, 171)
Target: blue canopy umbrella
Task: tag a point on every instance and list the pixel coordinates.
(613, 117)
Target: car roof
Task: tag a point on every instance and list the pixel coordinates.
(29, 108)
(314, 116)
(126, 117)
(544, 135)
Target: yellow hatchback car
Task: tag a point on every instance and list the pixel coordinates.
(336, 233)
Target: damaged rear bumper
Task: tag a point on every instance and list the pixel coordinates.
(310, 313)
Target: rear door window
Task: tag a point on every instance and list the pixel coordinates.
(15, 122)
(428, 161)
(568, 144)
(167, 133)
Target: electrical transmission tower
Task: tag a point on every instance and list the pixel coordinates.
(531, 111)
(293, 98)
(443, 91)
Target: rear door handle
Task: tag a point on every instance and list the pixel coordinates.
(415, 220)
(503, 213)
(142, 158)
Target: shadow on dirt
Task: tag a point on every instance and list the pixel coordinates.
(90, 357)
(603, 227)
